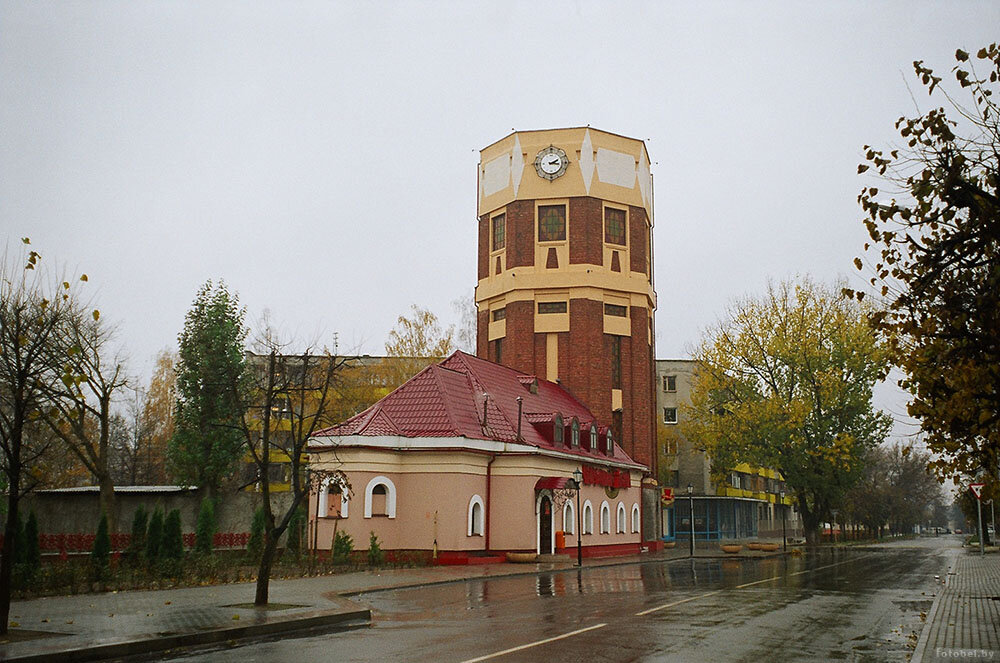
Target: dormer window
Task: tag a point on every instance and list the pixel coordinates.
(558, 434)
(609, 444)
(593, 437)
(575, 433)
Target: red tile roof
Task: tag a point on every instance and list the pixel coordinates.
(447, 400)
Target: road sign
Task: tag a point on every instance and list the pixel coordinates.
(977, 490)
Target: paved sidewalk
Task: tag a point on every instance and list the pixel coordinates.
(964, 622)
(111, 625)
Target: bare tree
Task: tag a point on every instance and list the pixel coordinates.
(289, 399)
(81, 402)
(31, 316)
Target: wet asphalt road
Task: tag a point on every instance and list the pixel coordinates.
(836, 605)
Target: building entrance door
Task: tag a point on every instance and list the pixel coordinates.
(545, 526)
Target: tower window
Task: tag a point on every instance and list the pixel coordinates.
(551, 223)
(616, 362)
(498, 350)
(616, 310)
(499, 231)
(552, 307)
(614, 226)
(499, 314)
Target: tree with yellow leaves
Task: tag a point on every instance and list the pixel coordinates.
(785, 382)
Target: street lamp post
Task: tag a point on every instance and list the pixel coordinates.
(691, 506)
(784, 539)
(578, 478)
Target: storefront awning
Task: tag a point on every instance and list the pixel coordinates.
(554, 483)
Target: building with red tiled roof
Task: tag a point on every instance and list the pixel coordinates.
(468, 458)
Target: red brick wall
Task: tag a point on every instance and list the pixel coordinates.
(482, 334)
(642, 385)
(520, 233)
(587, 368)
(586, 231)
(484, 246)
(519, 343)
(638, 238)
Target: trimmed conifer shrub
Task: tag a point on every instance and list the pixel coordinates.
(173, 541)
(255, 545)
(140, 522)
(375, 554)
(154, 538)
(100, 556)
(205, 529)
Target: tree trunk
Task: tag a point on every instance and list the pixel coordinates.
(264, 572)
(108, 505)
(7, 559)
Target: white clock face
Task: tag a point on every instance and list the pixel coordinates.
(551, 163)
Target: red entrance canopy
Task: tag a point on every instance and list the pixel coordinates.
(553, 483)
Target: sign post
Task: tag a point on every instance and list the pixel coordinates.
(977, 490)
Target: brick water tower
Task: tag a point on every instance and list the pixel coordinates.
(565, 288)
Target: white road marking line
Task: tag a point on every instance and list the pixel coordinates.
(534, 644)
(748, 584)
(670, 605)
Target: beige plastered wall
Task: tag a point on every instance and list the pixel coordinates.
(434, 490)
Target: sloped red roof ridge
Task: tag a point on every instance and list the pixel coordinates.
(447, 400)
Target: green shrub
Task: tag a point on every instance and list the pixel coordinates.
(375, 554)
(205, 530)
(173, 542)
(20, 543)
(343, 544)
(100, 556)
(32, 554)
(154, 538)
(137, 545)
(296, 530)
(255, 545)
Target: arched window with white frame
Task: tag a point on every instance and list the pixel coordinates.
(605, 518)
(588, 517)
(620, 519)
(569, 518)
(635, 518)
(333, 499)
(476, 511)
(380, 498)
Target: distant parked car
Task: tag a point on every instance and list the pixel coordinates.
(958, 531)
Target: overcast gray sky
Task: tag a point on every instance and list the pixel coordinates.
(321, 157)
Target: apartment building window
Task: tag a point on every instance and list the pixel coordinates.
(499, 232)
(670, 415)
(551, 223)
(616, 310)
(614, 226)
(669, 383)
(552, 307)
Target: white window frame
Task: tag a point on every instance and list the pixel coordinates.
(324, 498)
(569, 518)
(390, 496)
(476, 500)
(588, 517)
(667, 421)
(620, 519)
(636, 519)
(605, 517)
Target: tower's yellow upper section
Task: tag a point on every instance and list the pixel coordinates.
(601, 164)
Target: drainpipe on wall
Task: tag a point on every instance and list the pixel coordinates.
(489, 502)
